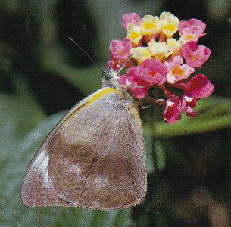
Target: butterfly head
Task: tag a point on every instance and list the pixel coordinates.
(110, 78)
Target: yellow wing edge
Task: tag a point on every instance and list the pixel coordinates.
(99, 94)
(91, 99)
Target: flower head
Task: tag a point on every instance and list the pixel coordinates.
(152, 57)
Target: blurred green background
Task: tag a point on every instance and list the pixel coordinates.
(43, 74)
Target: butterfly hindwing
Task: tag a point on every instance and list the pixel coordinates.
(37, 189)
(95, 156)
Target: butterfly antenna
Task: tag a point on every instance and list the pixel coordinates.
(87, 54)
(94, 52)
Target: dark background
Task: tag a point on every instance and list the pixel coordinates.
(43, 74)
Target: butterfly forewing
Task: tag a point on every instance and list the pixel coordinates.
(94, 158)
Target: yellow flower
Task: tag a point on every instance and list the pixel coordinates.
(140, 53)
(169, 23)
(173, 45)
(150, 25)
(133, 33)
(158, 49)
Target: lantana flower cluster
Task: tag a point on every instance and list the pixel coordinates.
(163, 52)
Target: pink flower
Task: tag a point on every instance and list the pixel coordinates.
(120, 50)
(139, 92)
(193, 27)
(189, 104)
(152, 72)
(133, 82)
(130, 18)
(174, 108)
(195, 55)
(113, 64)
(131, 78)
(172, 62)
(198, 87)
(177, 70)
(138, 79)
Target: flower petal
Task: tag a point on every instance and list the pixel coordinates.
(199, 87)
(139, 92)
(173, 110)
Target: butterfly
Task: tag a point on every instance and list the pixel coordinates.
(94, 157)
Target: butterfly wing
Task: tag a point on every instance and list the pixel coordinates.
(37, 189)
(95, 157)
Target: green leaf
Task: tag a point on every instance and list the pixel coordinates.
(148, 152)
(212, 114)
(56, 61)
(14, 213)
(160, 155)
(88, 79)
(18, 114)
